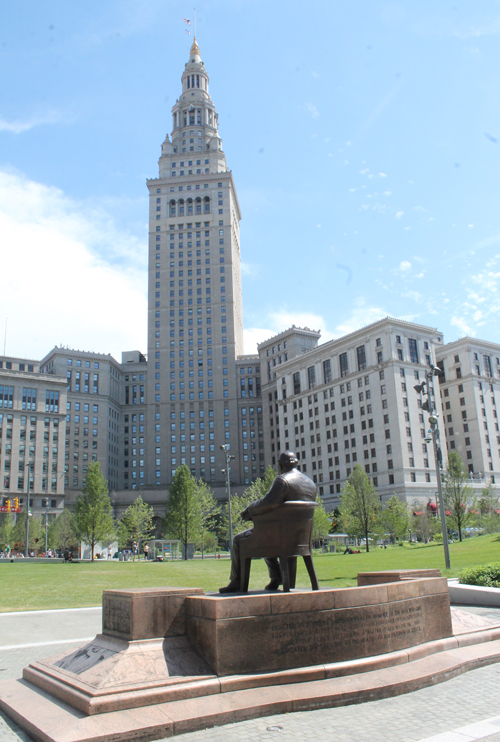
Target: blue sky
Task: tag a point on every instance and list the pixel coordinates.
(364, 138)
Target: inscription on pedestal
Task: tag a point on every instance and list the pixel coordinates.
(116, 615)
(341, 631)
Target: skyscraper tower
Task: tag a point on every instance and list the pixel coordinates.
(195, 325)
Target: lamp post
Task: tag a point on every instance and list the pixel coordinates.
(227, 472)
(47, 510)
(430, 407)
(28, 514)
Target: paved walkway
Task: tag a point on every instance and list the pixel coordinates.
(462, 709)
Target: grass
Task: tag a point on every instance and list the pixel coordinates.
(27, 587)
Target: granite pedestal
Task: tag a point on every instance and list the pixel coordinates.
(174, 659)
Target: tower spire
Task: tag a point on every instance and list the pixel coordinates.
(195, 49)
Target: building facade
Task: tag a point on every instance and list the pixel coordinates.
(351, 401)
(195, 322)
(469, 392)
(32, 415)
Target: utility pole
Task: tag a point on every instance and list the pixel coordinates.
(430, 406)
(227, 472)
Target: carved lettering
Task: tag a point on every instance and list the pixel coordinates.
(361, 628)
(117, 615)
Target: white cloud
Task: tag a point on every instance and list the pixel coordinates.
(382, 175)
(17, 127)
(282, 320)
(311, 108)
(253, 336)
(69, 276)
(399, 214)
(405, 265)
(360, 316)
(249, 269)
(462, 325)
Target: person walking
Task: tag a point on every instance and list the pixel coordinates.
(146, 552)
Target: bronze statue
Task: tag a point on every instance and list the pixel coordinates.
(290, 484)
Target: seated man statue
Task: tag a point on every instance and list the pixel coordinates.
(290, 484)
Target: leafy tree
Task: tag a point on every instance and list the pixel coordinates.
(395, 518)
(136, 524)
(488, 500)
(239, 503)
(92, 521)
(486, 517)
(426, 526)
(360, 505)
(457, 493)
(6, 529)
(19, 533)
(183, 519)
(210, 511)
(322, 522)
(61, 534)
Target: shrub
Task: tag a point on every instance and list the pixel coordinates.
(486, 575)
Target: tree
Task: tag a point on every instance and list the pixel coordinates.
(92, 521)
(321, 523)
(136, 524)
(239, 503)
(19, 533)
(61, 534)
(183, 519)
(457, 493)
(6, 529)
(425, 525)
(360, 505)
(210, 512)
(395, 518)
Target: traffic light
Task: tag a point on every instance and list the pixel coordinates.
(7, 504)
(16, 503)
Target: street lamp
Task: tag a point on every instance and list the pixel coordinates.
(227, 471)
(28, 514)
(47, 510)
(429, 406)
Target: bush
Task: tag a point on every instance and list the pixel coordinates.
(486, 575)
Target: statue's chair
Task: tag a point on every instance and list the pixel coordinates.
(284, 532)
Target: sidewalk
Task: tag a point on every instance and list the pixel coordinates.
(449, 707)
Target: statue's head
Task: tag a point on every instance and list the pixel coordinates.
(287, 461)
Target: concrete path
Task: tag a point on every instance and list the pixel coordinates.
(463, 709)
(35, 628)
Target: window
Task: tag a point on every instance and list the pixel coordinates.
(344, 369)
(311, 377)
(412, 345)
(361, 355)
(296, 383)
(327, 371)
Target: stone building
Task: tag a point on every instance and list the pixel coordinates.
(349, 401)
(469, 390)
(32, 414)
(195, 319)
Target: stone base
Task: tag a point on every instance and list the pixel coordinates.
(109, 674)
(48, 720)
(278, 631)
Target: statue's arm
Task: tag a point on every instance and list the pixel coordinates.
(272, 499)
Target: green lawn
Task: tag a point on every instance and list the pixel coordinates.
(27, 587)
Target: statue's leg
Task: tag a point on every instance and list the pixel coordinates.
(273, 566)
(235, 555)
